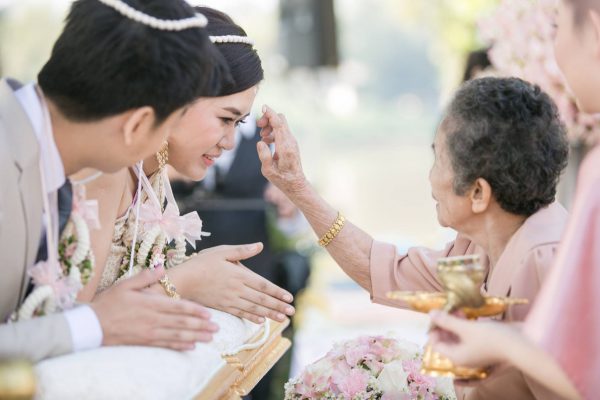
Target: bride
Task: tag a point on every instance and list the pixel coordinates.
(214, 277)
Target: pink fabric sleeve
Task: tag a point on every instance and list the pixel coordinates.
(415, 270)
(565, 320)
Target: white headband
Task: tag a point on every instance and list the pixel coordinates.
(199, 21)
(232, 39)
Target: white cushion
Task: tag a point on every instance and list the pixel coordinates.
(132, 372)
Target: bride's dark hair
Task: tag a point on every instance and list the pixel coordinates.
(244, 63)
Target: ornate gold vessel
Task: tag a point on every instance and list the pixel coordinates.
(462, 278)
(17, 380)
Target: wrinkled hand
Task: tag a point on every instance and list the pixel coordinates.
(216, 278)
(284, 167)
(130, 315)
(471, 343)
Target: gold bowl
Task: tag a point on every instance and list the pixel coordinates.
(435, 364)
(427, 301)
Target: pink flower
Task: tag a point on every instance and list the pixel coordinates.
(521, 34)
(70, 250)
(353, 383)
(354, 354)
(48, 273)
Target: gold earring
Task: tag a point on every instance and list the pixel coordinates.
(163, 155)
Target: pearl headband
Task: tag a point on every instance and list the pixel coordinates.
(198, 21)
(232, 39)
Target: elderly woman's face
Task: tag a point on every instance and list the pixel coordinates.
(452, 210)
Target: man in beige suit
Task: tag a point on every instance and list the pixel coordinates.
(498, 155)
(108, 96)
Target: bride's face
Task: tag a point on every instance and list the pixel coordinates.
(205, 130)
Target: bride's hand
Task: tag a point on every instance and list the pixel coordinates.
(284, 167)
(215, 278)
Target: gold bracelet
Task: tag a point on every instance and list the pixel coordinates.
(169, 287)
(335, 229)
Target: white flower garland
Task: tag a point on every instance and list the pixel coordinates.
(83, 240)
(148, 241)
(154, 249)
(43, 299)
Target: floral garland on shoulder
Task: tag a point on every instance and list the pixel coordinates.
(163, 232)
(56, 286)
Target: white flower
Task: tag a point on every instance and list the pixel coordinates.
(444, 387)
(408, 350)
(322, 367)
(393, 378)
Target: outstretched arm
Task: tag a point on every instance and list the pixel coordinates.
(216, 278)
(468, 343)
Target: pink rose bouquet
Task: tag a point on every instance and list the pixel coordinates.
(369, 368)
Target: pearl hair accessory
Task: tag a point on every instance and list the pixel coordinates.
(198, 21)
(232, 39)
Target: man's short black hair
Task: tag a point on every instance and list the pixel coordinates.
(508, 132)
(104, 64)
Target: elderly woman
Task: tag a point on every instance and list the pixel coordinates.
(499, 152)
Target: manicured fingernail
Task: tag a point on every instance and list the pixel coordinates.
(289, 310)
(287, 297)
(280, 317)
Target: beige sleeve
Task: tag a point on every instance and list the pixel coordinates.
(36, 339)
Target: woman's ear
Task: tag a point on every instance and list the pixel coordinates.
(480, 195)
(139, 125)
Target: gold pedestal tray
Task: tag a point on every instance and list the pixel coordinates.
(435, 364)
(17, 380)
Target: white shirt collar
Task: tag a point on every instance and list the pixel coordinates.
(54, 170)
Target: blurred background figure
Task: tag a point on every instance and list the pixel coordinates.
(478, 64)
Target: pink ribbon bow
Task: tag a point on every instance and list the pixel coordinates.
(173, 224)
(49, 273)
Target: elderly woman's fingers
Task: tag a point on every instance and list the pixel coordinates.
(266, 159)
(273, 117)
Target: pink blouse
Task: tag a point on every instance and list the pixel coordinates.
(565, 319)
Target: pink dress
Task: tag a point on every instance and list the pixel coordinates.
(519, 272)
(565, 320)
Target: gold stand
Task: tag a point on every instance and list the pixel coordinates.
(245, 369)
(17, 380)
(435, 364)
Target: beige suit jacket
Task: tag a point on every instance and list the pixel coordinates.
(519, 272)
(20, 234)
